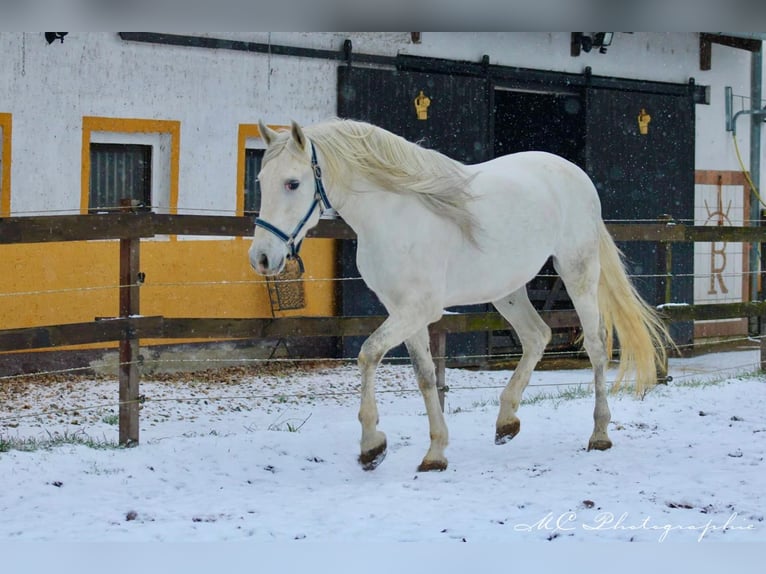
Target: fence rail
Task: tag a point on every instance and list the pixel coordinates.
(141, 225)
(121, 225)
(131, 227)
(159, 327)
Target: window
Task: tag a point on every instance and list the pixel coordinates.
(253, 159)
(120, 175)
(134, 160)
(250, 150)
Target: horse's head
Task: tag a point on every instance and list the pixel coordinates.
(292, 198)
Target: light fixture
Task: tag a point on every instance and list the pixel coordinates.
(586, 43)
(603, 40)
(53, 36)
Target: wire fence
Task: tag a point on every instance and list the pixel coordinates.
(304, 362)
(497, 358)
(307, 279)
(732, 370)
(143, 399)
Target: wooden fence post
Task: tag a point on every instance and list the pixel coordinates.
(665, 289)
(129, 305)
(761, 321)
(438, 346)
(763, 345)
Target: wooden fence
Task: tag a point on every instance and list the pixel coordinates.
(130, 326)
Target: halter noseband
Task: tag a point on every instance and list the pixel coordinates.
(320, 200)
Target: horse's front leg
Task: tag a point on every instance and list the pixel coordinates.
(393, 331)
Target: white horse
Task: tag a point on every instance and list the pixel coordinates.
(433, 233)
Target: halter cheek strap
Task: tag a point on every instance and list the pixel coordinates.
(319, 192)
(320, 200)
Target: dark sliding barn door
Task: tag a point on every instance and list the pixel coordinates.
(540, 120)
(639, 176)
(643, 176)
(456, 124)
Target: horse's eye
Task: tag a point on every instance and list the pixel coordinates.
(292, 185)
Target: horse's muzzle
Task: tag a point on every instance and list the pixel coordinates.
(263, 264)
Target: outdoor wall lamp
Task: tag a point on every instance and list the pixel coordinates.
(600, 40)
(53, 36)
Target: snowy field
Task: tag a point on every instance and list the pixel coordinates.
(273, 458)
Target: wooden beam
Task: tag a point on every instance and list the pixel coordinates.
(75, 227)
(675, 313)
(332, 229)
(706, 52)
(647, 232)
(257, 328)
(749, 44)
(48, 228)
(204, 225)
(709, 233)
(99, 331)
(575, 44)
(706, 46)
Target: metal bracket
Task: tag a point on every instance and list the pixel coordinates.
(347, 51)
(731, 120)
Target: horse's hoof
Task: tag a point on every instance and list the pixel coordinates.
(429, 465)
(506, 432)
(372, 458)
(599, 444)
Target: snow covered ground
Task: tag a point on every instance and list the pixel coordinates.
(273, 458)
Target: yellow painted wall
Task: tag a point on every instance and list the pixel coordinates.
(72, 282)
(5, 169)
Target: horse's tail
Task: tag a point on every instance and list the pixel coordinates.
(642, 334)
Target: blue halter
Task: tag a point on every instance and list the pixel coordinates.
(320, 200)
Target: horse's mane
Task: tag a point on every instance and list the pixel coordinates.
(390, 162)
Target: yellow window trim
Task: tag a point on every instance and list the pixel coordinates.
(5, 176)
(129, 125)
(246, 131)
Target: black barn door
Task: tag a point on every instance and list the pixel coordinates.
(455, 122)
(643, 176)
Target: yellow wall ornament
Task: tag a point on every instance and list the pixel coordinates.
(421, 105)
(643, 122)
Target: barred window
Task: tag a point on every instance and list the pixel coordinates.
(120, 175)
(253, 159)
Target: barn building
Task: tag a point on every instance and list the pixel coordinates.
(168, 123)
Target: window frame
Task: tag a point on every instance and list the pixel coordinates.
(163, 135)
(248, 137)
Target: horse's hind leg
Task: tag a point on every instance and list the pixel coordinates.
(423, 364)
(534, 335)
(581, 281)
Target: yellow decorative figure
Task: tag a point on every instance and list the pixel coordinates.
(421, 105)
(643, 122)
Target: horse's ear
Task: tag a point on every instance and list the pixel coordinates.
(267, 133)
(298, 136)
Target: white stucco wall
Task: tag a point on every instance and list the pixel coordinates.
(49, 88)
(714, 145)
